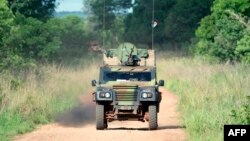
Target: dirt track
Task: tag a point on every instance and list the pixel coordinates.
(78, 125)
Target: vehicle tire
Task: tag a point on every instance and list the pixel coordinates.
(100, 117)
(152, 110)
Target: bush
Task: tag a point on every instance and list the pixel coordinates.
(6, 21)
(241, 115)
(243, 48)
(221, 35)
(30, 40)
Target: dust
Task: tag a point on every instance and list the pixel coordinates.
(80, 115)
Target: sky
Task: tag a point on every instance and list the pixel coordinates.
(69, 5)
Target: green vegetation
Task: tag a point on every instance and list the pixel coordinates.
(220, 35)
(38, 96)
(224, 34)
(67, 13)
(29, 38)
(211, 95)
(177, 19)
(39, 9)
(43, 58)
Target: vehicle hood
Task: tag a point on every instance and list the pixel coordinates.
(128, 84)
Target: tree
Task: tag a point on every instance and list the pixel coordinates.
(184, 18)
(177, 20)
(6, 21)
(108, 16)
(138, 24)
(32, 39)
(39, 9)
(220, 34)
(243, 48)
(107, 10)
(74, 36)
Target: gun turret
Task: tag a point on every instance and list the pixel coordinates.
(127, 55)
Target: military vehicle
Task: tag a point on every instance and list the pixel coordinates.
(127, 88)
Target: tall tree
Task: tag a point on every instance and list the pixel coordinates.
(184, 18)
(177, 20)
(39, 9)
(138, 23)
(107, 10)
(108, 16)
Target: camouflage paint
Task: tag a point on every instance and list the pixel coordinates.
(126, 92)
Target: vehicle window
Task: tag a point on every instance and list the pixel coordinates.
(127, 76)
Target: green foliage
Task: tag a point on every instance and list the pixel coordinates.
(29, 41)
(12, 124)
(6, 21)
(184, 18)
(39, 9)
(138, 26)
(243, 48)
(73, 32)
(177, 20)
(75, 35)
(107, 10)
(114, 36)
(108, 20)
(223, 34)
(239, 6)
(241, 115)
(24, 39)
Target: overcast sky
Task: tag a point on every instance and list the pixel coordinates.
(69, 5)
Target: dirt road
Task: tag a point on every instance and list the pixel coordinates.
(78, 125)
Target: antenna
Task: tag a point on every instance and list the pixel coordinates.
(103, 26)
(103, 29)
(153, 20)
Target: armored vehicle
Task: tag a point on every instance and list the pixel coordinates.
(127, 88)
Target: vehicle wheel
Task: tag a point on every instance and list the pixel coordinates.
(152, 110)
(100, 117)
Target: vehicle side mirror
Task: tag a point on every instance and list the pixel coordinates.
(93, 83)
(161, 83)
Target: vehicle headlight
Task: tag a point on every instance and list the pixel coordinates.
(144, 95)
(107, 95)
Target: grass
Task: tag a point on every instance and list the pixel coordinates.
(36, 97)
(211, 95)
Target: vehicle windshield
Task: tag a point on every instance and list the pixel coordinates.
(126, 76)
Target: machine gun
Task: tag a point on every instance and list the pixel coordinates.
(132, 59)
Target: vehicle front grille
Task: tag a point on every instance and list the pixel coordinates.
(125, 93)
